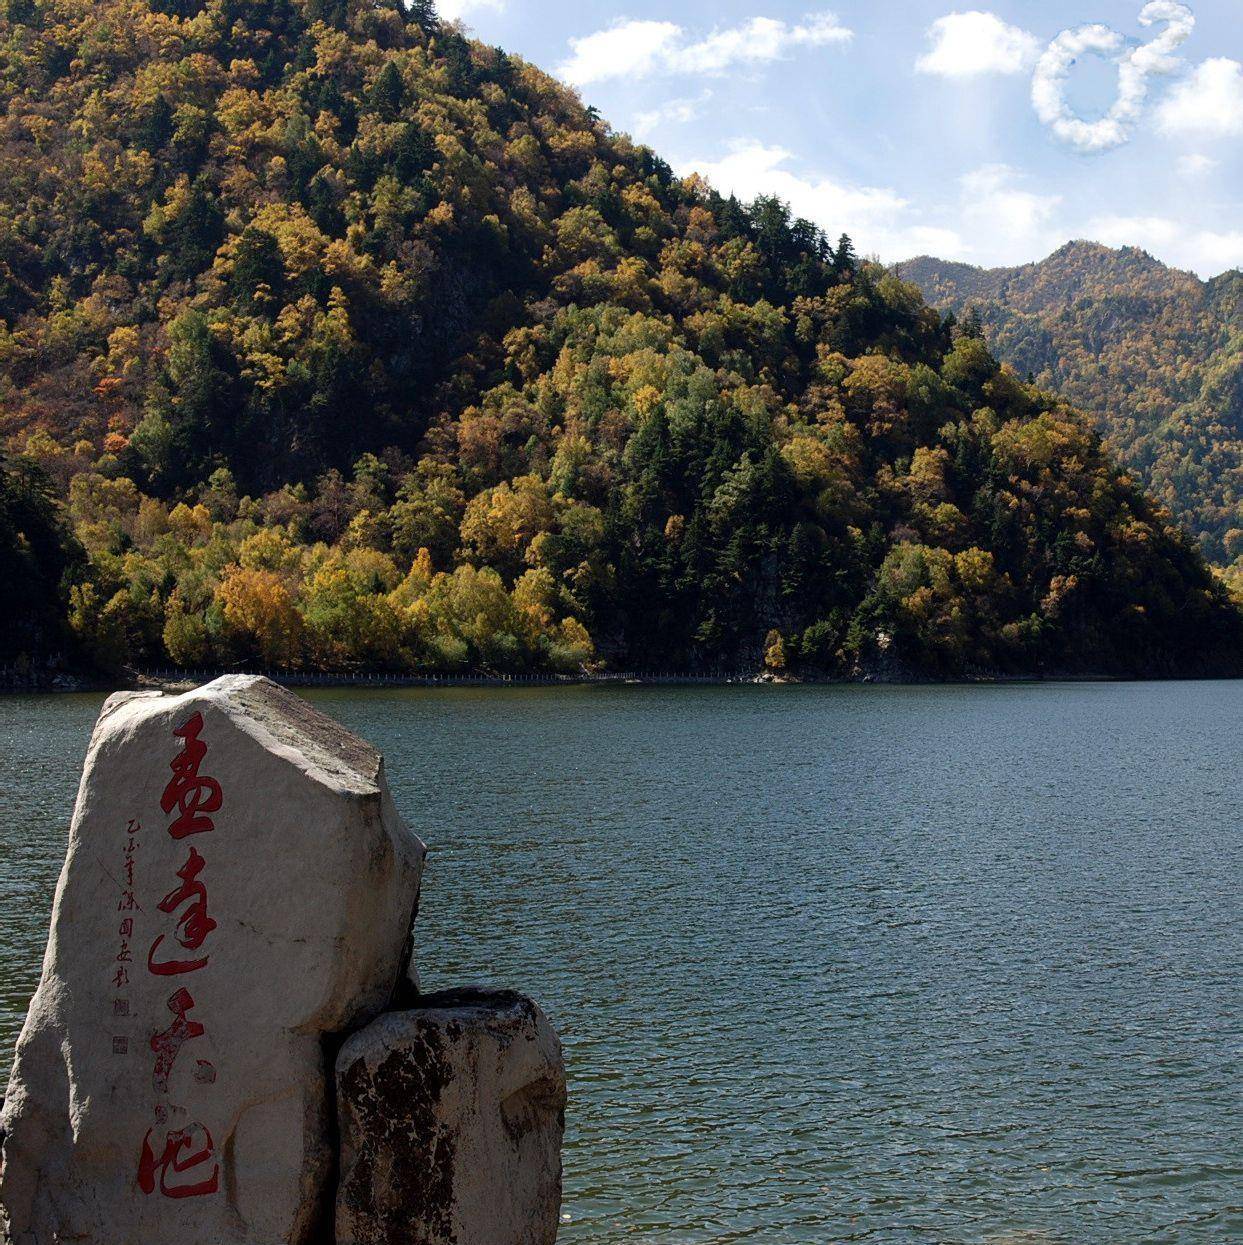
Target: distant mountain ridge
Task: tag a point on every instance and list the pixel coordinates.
(1154, 353)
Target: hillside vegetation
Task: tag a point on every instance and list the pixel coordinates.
(1155, 354)
(349, 342)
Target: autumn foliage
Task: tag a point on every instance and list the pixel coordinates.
(1154, 354)
(348, 343)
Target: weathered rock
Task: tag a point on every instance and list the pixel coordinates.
(238, 885)
(451, 1121)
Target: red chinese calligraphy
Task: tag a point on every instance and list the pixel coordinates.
(166, 1046)
(181, 1154)
(194, 924)
(191, 794)
(187, 1152)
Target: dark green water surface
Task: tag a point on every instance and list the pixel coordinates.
(943, 965)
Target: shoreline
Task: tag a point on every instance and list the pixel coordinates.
(175, 681)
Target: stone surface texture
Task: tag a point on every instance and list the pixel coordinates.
(451, 1119)
(232, 897)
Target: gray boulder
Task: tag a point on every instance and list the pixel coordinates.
(451, 1119)
(238, 888)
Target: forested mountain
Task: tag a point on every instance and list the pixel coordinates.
(350, 342)
(1154, 353)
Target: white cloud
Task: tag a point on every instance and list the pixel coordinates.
(630, 49)
(760, 40)
(1210, 252)
(1135, 66)
(1049, 88)
(1205, 251)
(967, 45)
(752, 168)
(1149, 232)
(633, 49)
(456, 10)
(1209, 104)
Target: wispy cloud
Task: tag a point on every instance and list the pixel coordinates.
(752, 168)
(1205, 251)
(673, 112)
(994, 217)
(1196, 165)
(634, 48)
(975, 43)
(879, 219)
(998, 206)
(758, 41)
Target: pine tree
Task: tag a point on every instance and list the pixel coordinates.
(257, 263)
(973, 325)
(845, 262)
(389, 92)
(331, 12)
(423, 13)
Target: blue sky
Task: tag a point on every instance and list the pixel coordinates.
(990, 134)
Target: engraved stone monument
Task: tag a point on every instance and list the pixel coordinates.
(237, 896)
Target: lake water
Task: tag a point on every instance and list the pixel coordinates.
(937, 965)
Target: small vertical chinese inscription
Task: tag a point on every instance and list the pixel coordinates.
(121, 964)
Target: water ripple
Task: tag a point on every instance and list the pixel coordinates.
(878, 965)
